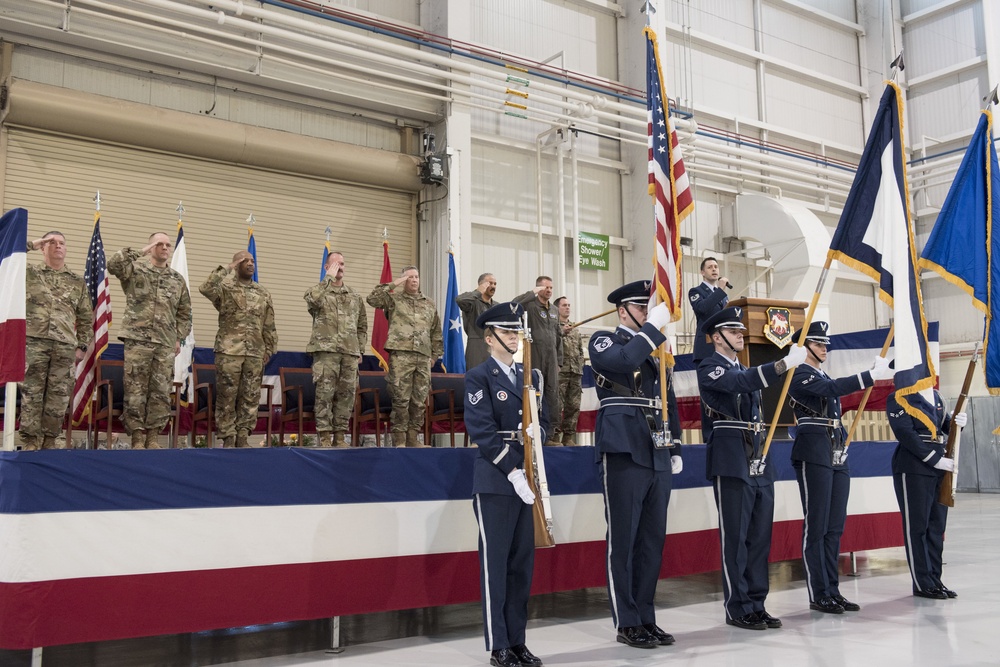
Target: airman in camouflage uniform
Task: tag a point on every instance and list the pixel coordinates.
(339, 334)
(245, 341)
(570, 376)
(546, 346)
(473, 304)
(157, 320)
(59, 324)
(414, 342)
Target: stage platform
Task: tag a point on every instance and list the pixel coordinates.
(102, 545)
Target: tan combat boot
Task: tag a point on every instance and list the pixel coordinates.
(568, 440)
(242, 439)
(412, 441)
(29, 444)
(153, 440)
(339, 441)
(229, 441)
(323, 439)
(399, 438)
(138, 439)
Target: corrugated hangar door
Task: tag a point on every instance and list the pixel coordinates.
(55, 178)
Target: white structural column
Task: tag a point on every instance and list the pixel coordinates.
(449, 221)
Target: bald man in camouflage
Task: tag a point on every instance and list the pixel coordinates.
(59, 325)
(246, 339)
(414, 343)
(157, 319)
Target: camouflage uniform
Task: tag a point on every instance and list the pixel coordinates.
(570, 388)
(339, 334)
(414, 342)
(472, 306)
(58, 320)
(245, 341)
(546, 345)
(157, 318)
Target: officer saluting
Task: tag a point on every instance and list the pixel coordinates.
(820, 464)
(918, 465)
(638, 456)
(502, 499)
(744, 492)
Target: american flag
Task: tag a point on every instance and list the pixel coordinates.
(96, 277)
(668, 185)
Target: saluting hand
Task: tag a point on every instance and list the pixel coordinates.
(38, 244)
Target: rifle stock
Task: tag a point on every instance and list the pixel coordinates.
(946, 494)
(534, 463)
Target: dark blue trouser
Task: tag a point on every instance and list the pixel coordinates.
(924, 520)
(635, 508)
(506, 561)
(746, 512)
(823, 491)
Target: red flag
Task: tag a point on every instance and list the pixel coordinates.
(96, 277)
(380, 327)
(668, 184)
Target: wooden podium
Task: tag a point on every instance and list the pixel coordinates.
(758, 349)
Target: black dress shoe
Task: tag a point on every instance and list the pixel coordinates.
(947, 591)
(504, 658)
(748, 622)
(664, 638)
(846, 604)
(525, 656)
(768, 620)
(637, 637)
(826, 605)
(931, 594)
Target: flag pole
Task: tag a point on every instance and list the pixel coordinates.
(868, 390)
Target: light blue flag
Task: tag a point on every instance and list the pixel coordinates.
(875, 236)
(964, 246)
(252, 249)
(454, 346)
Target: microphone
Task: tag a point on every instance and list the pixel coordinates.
(729, 285)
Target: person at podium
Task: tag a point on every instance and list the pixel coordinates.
(742, 481)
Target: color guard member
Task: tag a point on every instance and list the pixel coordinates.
(743, 483)
(639, 455)
(820, 463)
(502, 499)
(918, 465)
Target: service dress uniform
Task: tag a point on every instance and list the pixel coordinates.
(745, 501)
(917, 483)
(493, 417)
(635, 455)
(822, 472)
(705, 301)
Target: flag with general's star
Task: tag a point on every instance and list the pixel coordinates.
(454, 345)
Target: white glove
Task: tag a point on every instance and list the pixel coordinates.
(659, 316)
(961, 419)
(520, 482)
(946, 464)
(795, 356)
(676, 465)
(880, 369)
(530, 429)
